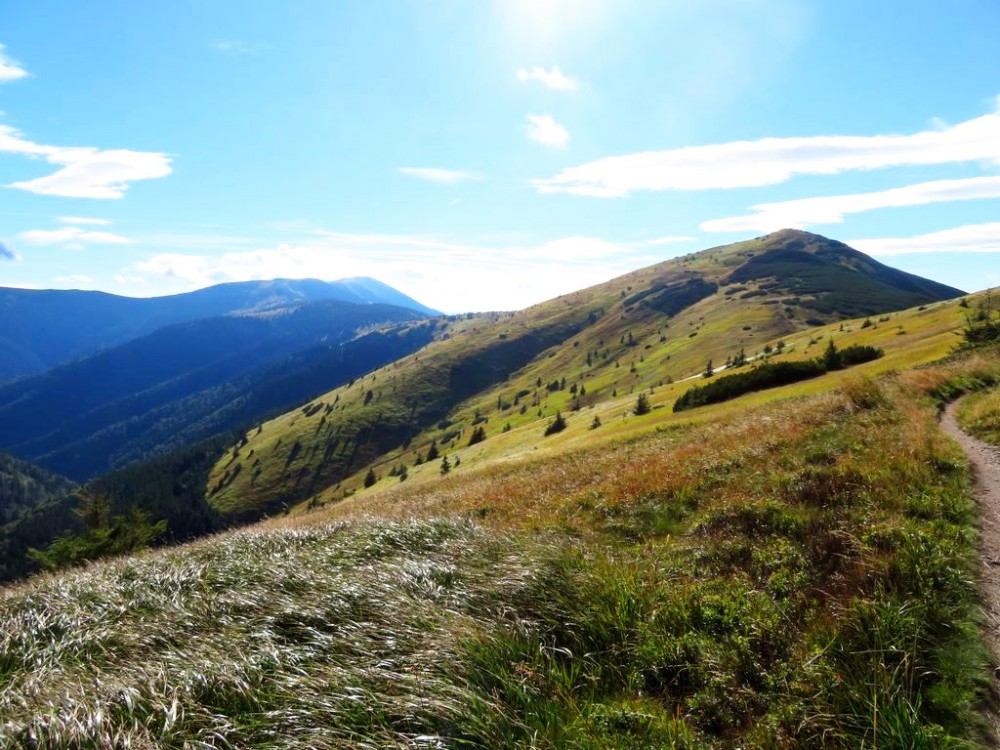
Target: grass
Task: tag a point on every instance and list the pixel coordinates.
(979, 415)
(492, 370)
(794, 575)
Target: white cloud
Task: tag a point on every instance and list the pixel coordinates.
(436, 174)
(971, 238)
(82, 220)
(553, 79)
(239, 47)
(73, 235)
(771, 161)
(77, 278)
(453, 277)
(831, 209)
(670, 240)
(9, 69)
(86, 172)
(545, 130)
(7, 252)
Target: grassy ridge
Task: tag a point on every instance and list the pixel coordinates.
(591, 350)
(728, 585)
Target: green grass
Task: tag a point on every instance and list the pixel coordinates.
(979, 415)
(613, 340)
(725, 585)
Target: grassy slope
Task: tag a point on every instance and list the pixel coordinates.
(442, 391)
(909, 338)
(979, 414)
(790, 574)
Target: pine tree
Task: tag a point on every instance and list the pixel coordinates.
(432, 452)
(641, 405)
(556, 425)
(370, 478)
(445, 465)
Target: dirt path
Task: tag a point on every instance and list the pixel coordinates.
(985, 460)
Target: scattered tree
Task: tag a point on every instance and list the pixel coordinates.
(558, 424)
(103, 535)
(641, 405)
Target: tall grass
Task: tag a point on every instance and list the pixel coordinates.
(794, 577)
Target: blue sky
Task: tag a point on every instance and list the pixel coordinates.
(488, 155)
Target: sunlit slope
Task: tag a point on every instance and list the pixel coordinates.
(581, 353)
(909, 338)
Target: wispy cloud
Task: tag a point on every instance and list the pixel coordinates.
(832, 209)
(7, 252)
(771, 161)
(438, 175)
(971, 238)
(76, 278)
(239, 46)
(83, 220)
(10, 70)
(669, 240)
(476, 277)
(553, 79)
(71, 235)
(545, 130)
(86, 172)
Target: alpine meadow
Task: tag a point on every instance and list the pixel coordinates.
(551, 375)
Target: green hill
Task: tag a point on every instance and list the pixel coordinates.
(503, 371)
(24, 486)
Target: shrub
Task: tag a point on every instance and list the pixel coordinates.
(556, 425)
(641, 405)
(759, 378)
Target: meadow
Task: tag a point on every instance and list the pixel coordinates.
(799, 572)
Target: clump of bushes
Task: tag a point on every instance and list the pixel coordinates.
(774, 374)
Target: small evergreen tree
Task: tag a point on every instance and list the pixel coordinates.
(641, 405)
(596, 423)
(556, 425)
(103, 535)
(831, 357)
(478, 435)
(370, 478)
(709, 370)
(445, 466)
(432, 452)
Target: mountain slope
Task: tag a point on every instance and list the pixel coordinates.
(42, 329)
(24, 486)
(183, 383)
(640, 331)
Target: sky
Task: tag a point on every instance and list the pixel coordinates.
(488, 154)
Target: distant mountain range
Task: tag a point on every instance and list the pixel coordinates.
(185, 382)
(40, 329)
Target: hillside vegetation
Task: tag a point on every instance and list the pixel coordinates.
(796, 574)
(184, 383)
(24, 486)
(585, 354)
